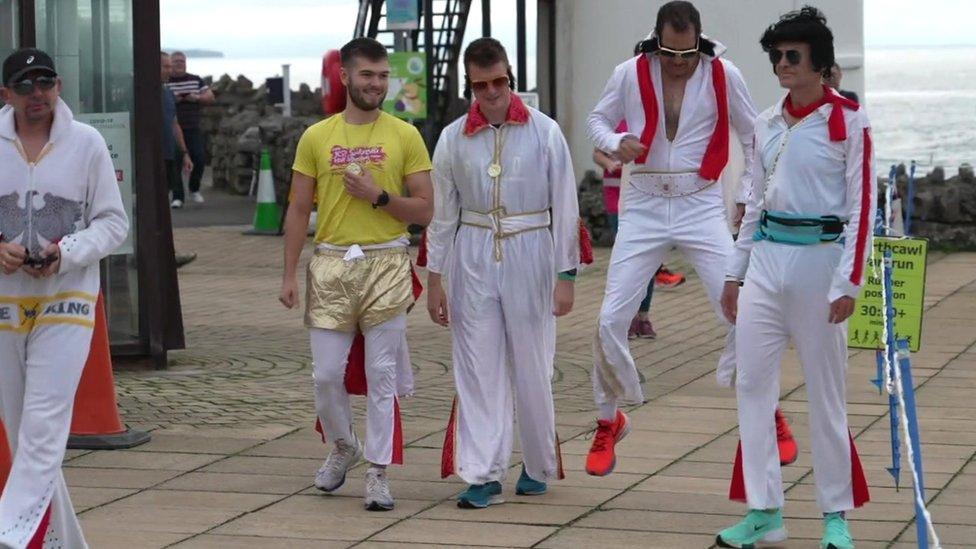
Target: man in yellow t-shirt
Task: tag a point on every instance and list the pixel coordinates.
(370, 175)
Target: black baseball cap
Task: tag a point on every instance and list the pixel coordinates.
(26, 60)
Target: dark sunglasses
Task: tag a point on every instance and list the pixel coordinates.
(684, 54)
(482, 85)
(26, 86)
(793, 57)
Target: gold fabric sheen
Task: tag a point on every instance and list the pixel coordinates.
(343, 295)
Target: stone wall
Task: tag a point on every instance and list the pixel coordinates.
(944, 209)
(241, 122)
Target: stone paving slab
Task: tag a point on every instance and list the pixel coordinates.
(234, 455)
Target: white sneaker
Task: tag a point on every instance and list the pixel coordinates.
(197, 197)
(176, 204)
(378, 496)
(343, 457)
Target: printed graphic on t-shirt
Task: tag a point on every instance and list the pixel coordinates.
(343, 156)
(57, 217)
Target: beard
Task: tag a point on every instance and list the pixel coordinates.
(362, 102)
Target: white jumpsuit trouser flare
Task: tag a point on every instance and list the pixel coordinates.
(384, 346)
(39, 374)
(649, 227)
(784, 298)
(504, 337)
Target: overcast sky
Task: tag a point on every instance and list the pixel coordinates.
(308, 27)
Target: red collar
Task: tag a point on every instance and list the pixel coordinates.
(835, 121)
(518, 113)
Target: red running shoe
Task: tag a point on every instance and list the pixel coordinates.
(632, 331)
(667, 279)
(784, 440)
(602, 459)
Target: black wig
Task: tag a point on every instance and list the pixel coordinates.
(808, 26)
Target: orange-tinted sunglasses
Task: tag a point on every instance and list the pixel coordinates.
(497, 82)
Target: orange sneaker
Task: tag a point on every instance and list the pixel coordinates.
(602, 459)
(667, 279)
(784, 440)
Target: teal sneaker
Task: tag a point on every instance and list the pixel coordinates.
(758, 527)
(836, 535)
(526, 486)
(479, 496)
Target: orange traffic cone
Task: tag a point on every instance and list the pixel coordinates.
(6, 460)
(96, 424)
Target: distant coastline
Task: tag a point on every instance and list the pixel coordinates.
(197, 53)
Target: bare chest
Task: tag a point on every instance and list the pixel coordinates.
(674, 94)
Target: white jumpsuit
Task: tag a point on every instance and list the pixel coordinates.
(787, 293)
(69, 194)
(650, 226)
(500, 290)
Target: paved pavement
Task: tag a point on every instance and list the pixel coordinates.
(233, 454)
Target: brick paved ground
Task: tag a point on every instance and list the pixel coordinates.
(233, 454)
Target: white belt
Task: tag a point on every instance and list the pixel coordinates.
(503, 224)
(668, 185)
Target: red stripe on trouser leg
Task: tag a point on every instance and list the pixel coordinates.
(319, 429)
(447, 454)
(37, 542)
(737, 488)
(559, 459)
(397, 458)
(859, 483)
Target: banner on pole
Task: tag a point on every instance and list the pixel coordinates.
(865, 329)
(407, 96)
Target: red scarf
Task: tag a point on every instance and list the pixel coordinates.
(717, 153)
(835, 122)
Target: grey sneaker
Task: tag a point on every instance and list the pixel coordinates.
(343, 457)
(378, 496)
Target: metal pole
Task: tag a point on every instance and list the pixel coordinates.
(485, 17)
(520, 43)
(286, 88)
(433, 107)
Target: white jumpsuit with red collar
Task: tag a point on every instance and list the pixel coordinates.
(821, 166)
(652, 223)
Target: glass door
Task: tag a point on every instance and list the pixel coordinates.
(9, 25)
(91, 42)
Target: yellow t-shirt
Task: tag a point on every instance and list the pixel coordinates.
(389, 148)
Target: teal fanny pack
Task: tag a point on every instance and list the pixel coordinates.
(798, 230)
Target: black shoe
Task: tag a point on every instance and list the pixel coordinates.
(185, 259)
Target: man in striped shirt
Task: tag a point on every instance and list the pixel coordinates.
(191, 94)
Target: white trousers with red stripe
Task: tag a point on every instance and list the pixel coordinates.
(649, 228)
(39, 374)
(784, 298)
(384, 346)
(504, 342)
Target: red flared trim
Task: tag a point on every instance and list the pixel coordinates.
(737, 488)
(450, 443)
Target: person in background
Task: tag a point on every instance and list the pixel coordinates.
(834, 82)
(175, 154)
(191, 94)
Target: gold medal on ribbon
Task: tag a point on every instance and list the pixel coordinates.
(494, 170)
(354, 169)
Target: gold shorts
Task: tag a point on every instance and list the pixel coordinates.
(343, 295)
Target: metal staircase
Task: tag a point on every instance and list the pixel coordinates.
(443, 29)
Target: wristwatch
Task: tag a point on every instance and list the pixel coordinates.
(382, 200)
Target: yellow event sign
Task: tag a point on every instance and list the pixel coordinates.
(865, 329)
